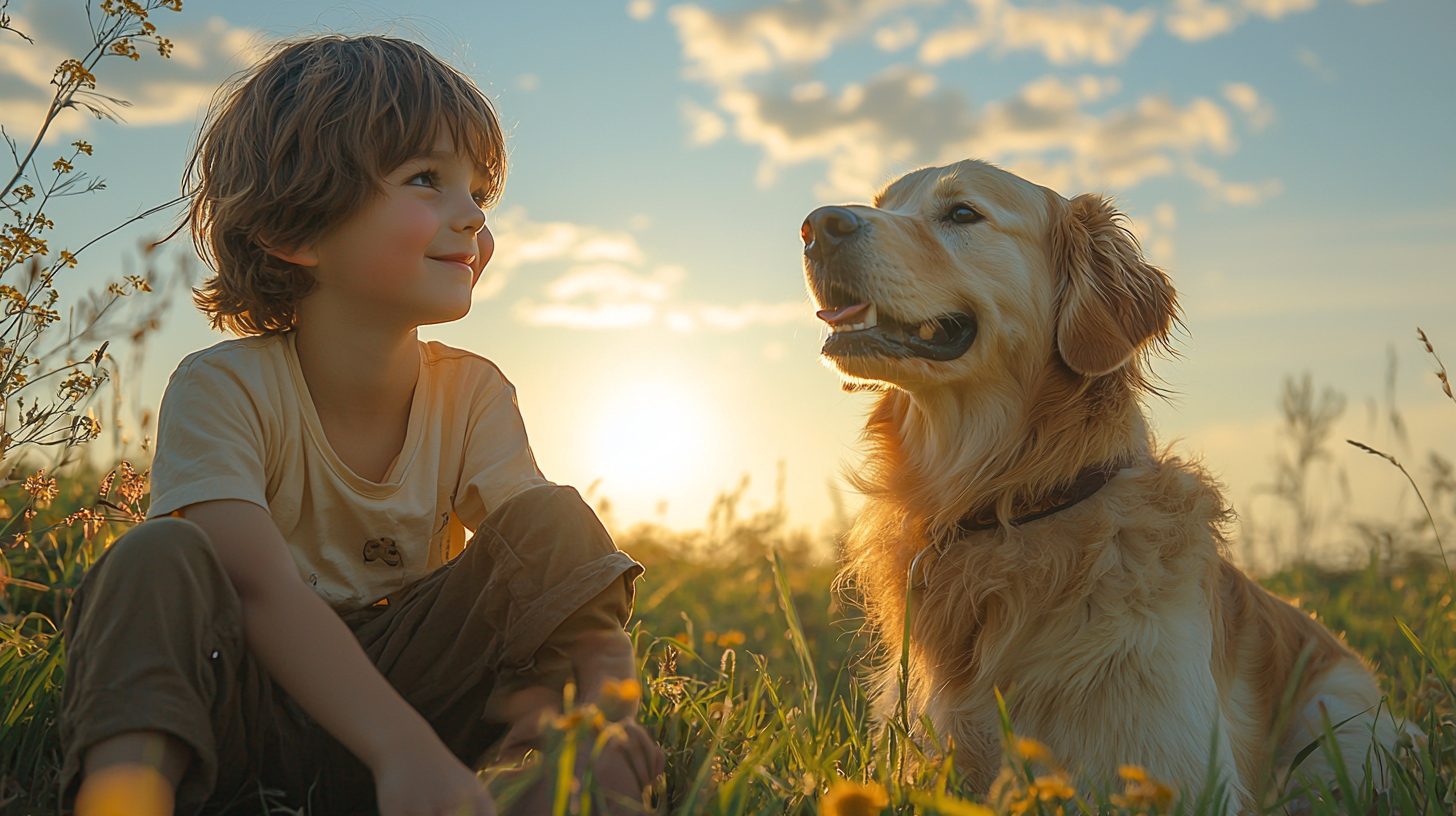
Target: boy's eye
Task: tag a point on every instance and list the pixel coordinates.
(480, 198)
(428, 178)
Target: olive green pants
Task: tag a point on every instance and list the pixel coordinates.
(154, 641)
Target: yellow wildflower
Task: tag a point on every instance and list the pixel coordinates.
(1054, 786)
(619, 698)
(1142, 790)
(846, 798)
(731, 638)
(1132, 773)
(628, 689)
(1035, 751)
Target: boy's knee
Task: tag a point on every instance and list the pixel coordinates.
(160, 545)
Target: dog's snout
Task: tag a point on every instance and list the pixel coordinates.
(827, 226)
(834, 223)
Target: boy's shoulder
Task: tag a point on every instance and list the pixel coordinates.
(236, 354)
(462, 367)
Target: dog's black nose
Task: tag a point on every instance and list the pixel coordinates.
(829, 225)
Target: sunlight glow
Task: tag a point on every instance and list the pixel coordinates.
(648, 440)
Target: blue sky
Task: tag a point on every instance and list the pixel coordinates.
(1289, 163)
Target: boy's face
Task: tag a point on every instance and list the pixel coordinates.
(413, 253)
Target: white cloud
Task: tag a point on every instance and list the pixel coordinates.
(573, 316)
(1065, 34)
(704, 126)
(1241, 193)
(1056, 130)
(893, 37)
(520, 241)
(1244, 97)
(1195, 20)
(640, 9)
(900, 119)
(605, 283)
(1274, 9)
(1309, 59)
(615, 283)
(160, 91)
(724, 47)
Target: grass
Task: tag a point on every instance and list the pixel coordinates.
(749, 665)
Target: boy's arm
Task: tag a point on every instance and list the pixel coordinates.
(309, 650)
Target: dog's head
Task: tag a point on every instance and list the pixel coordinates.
(968, 274)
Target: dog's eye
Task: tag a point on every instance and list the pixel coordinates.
(964, 214)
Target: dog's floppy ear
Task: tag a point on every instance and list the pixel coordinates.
(1111, 301)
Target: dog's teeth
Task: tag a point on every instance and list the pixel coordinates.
(927, 330)
(871, 318)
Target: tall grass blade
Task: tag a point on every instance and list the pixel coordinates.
(807, 674)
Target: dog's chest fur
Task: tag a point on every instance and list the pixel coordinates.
(1095, 622)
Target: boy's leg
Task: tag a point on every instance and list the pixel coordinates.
(154, 644)
(476, 625)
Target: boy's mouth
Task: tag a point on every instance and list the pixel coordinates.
(462, 260)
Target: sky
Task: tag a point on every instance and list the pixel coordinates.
(1289, 163)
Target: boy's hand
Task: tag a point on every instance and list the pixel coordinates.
(423, 781)
(606, 671)
(626, 766)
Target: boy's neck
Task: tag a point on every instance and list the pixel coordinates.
(357, 370)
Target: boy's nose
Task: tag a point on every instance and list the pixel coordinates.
(472, 219)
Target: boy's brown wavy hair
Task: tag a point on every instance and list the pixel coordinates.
(299, 143)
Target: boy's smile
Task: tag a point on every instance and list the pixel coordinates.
(411, 255)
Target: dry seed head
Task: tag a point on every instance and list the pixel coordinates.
(1440, 366)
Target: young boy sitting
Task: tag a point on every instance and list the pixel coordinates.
(301, 612)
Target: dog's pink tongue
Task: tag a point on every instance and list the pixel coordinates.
(846, 315)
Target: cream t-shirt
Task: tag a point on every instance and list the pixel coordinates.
(237, 422)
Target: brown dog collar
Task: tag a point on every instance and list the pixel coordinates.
(1088, 482)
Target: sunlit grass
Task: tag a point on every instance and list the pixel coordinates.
(750, 683)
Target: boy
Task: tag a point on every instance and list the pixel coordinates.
(293, 613)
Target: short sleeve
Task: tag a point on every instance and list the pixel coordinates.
(498, 463)
(209, 441)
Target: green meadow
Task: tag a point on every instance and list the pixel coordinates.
(751, 666)
(751, 660)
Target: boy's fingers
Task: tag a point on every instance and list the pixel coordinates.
(650, 756)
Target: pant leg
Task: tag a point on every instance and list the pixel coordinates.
(480, 619)
(154, 641)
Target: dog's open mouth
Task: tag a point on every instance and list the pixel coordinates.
(858, 328)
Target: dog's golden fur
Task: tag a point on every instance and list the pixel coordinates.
(1121, 628)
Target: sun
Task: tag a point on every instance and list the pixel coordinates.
(648, 439)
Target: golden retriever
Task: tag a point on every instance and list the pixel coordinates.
(1054, 550)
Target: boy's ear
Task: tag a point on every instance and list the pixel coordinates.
(306, 255)
(1111, 301)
